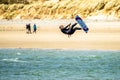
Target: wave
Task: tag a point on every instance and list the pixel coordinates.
(13, 60)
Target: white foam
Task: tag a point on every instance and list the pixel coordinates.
(92, 56)
(18, 53)
(13, 60)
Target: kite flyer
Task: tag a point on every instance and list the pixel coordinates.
(69, 29)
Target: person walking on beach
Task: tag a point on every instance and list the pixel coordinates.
(28, 28)
(69, 29)
(34, 28)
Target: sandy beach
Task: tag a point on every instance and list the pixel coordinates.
(101, 36)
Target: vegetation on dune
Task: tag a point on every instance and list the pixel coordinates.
(57, 9)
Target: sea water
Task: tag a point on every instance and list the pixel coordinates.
(51, 64)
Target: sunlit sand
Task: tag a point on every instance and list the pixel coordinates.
(101, 36)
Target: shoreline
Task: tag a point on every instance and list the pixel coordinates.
(66, 49)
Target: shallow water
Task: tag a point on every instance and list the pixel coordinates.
(50, 64)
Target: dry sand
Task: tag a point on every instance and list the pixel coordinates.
(102, 36)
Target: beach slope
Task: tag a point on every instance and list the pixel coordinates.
(101, 36)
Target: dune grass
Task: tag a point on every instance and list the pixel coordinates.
(63, 9)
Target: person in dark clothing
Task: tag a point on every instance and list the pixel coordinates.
(69, 29)
(28, 27)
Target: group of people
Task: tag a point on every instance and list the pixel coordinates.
(28, 28)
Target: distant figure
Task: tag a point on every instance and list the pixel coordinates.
(69, 29)
(34, 28)
(28, 28)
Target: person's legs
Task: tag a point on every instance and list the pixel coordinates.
(77, 28)
(73, 25)
(35, 31)
(71, 28)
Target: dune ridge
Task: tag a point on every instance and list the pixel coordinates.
(59, 9)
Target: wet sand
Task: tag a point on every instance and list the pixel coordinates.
(102, 36)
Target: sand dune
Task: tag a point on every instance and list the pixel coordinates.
(59, 9)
